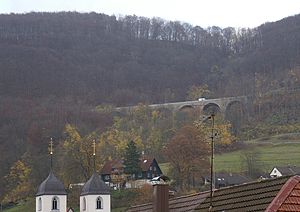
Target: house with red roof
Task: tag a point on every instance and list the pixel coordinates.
(281, 194)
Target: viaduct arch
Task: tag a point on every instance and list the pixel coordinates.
(220, 105)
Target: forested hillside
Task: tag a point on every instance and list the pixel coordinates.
(55, 68)
(136, 59)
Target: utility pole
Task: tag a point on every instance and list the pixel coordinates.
(212, 117)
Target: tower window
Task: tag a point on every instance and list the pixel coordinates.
(84, 204)
(99, 203)
(40, 204)
(55, 203)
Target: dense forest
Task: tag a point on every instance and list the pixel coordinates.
(136, 59)
(56, 68)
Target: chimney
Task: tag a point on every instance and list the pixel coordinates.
(161, 198)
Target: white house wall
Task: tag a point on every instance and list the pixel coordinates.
(275, 173)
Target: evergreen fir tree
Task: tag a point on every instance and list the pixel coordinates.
(132, 159)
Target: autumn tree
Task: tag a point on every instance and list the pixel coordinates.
(77, 156)
(142, 125)
(188, 153)
(18, 182)
(113, 142)
(195, 92)
(224, 139)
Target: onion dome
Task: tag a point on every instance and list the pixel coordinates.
(51, 186)
(95, 186)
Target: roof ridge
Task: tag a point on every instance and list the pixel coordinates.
(144, 204)
(255, 182)
(190, 195)
(283, 193)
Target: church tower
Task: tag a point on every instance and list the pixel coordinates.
(95, 194)
(51, 194)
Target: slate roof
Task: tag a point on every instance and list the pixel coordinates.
(280, 194)
(288, 170)
(146, 162)
(95, 186)
(51, 186)
(229, 179)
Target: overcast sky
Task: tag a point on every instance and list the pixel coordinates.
(222, 13)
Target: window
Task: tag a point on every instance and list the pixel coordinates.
(84, 204)
(55, 203)
(40, 204)
(99, 203)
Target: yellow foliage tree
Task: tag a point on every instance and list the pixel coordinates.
(18, 183)
(195, 92)
(226, 138)
(222, 131)
(114, 142)
(78, 156)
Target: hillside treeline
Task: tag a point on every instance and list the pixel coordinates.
(99, 58)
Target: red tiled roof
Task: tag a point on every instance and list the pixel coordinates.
(267, 195)
(178, 204)
(187, 203)
(108, 167)
(145, 163)
(291, 197)
(277, 194)
(144, 208)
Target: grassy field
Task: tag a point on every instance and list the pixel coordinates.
(280, 150)
(28, 206)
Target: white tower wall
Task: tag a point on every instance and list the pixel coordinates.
(91, 203)
(46, 203)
